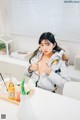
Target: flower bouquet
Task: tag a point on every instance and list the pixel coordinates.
(25, 111)
(27, 88)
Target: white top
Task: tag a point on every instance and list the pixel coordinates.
(46, 106)
(58, 75)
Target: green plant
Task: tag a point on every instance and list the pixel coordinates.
(2, 46)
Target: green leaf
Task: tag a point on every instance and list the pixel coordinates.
(2, 46)
(23, 91)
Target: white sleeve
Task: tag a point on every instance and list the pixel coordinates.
(26, 72)
(33, 60)
(61, 78)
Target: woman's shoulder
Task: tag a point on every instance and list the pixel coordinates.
(57, 55)
(60, 54)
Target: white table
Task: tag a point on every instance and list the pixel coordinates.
(47, 106)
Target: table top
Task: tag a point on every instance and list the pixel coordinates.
(46, 106)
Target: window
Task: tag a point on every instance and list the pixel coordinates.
(33, 17)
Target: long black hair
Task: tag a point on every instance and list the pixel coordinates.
(50, 37)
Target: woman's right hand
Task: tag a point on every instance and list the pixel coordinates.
(34, 67)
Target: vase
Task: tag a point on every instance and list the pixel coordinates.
(25, 111)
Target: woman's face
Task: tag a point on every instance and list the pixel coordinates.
(46, 47)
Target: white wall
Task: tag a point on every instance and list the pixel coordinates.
(1, 20)
(4, 21)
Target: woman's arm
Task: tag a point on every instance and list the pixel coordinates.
(33, 66)
(27, 71)
(62, 77)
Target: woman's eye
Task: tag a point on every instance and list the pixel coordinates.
(41, 45)
(48, 44)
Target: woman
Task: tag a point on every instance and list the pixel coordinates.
(47, 65)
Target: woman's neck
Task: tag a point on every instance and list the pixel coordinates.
(49, 55)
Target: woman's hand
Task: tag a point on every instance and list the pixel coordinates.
(65, 57)
(34, 67)
(47, 69)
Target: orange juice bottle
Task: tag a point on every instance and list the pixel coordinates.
(11, 91)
